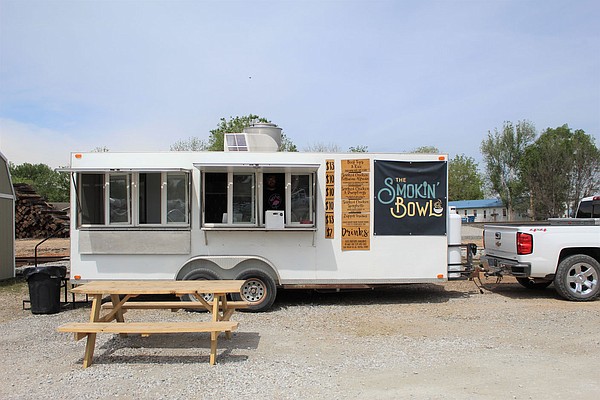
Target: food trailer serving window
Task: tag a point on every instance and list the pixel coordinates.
(248, 195)
(128, 198)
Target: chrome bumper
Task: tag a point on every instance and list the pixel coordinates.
(502, 266)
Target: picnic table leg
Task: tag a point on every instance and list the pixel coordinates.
(225, 314)
(217, 299)
(213, 347)
(119, 315)
(224, 307)
(91, 337)
(214, 335)
(215, 307)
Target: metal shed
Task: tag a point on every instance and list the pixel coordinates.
(7, 222)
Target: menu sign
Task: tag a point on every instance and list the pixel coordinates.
(329, 198)
(356, 205)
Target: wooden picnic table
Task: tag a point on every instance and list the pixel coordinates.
(121, 292)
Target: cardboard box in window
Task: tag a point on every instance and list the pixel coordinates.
(274, 219)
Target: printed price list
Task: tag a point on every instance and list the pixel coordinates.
(356, 205)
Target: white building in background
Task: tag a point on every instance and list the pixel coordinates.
(486, 210)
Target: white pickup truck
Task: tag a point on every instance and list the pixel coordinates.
(563, 251)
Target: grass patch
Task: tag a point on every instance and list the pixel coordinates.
(13, 285)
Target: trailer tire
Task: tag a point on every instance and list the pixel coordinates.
(200, 274)
(577, 278)
(259, 289)
(533, 283)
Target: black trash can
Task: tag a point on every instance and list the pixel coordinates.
(44, 288)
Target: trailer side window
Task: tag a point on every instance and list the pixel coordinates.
(244, 198)
(92, 199)
(149, 188)
(119, 199)
(163, 194)
(273, 192)
(215, 198)
(301, 207)
(134, 199)
(177, 198)
(229, 198)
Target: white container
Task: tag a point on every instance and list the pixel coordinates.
(274, 219)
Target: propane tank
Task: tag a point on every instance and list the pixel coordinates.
(454, 242)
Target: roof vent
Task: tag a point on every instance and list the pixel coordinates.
(260, 137)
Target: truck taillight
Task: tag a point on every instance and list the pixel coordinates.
(524, 243)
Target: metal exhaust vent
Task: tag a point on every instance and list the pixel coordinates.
(260, 137)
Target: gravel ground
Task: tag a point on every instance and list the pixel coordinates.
(442, 341)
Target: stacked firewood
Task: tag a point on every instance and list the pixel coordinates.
(35, 218)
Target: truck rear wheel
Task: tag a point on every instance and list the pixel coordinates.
(259, 289)
(577, 278)
(533, 283)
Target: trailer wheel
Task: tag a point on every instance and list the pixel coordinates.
(200, 274)
(535, 284)
(259, 289)
(577, 278)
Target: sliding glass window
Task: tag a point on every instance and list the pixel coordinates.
(134, 199)
(239, 198)
(229, 198)
(119, 199)
(301, 199)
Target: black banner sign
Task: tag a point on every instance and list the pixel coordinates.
(410, 198)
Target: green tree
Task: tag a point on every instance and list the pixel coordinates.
(287, 144)
(464, 181)
(359, 149)
(544, 172)
(502, 153)
(426, 150)
(559, 168)
(51, 185)
(585, 171)
(189, 144)
(320, 147)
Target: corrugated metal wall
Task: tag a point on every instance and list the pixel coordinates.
(7, 222)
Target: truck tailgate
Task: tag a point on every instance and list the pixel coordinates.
(500, 241)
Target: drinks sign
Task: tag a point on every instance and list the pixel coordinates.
(410, 198)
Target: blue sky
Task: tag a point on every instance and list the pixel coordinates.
(390, 75)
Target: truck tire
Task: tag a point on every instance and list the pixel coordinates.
(577, 278)
(533, 283)
(197, 275)
(259, 289)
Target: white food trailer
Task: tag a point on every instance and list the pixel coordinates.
(274, 219)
